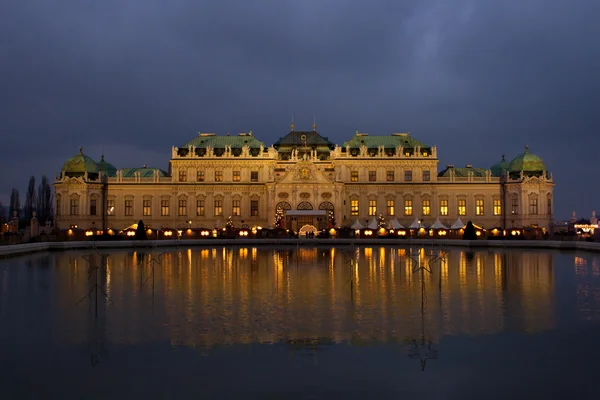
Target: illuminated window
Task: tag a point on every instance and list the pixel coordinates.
(218, 176)
(426, 207)
(514, 205)
(426, 176)
(182, 175)
(254, 208)
(389, 176)
(147, 207)
(462, 207)
(497, 207)
(57, 211)
(391, 207)
(236, 176)
(200, 175)
(354, 176)
(218, 207)
(182, 207)
(372, 176)
(443, 207)
(74, 207)
(164, 208)
(110, 207)
(408, 209)
(533, 206)
(254, 176)
(372, 207)
(354, 207)
(408, 176)
(200, 208)
(235, 208)
(92, 206)
(129, 208)
(479, 209)
(549, 206)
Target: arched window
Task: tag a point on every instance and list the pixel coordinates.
(326, 205)
(284, 205)
(305, 205)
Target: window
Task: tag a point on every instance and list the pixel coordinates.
(372, 207)
(389, 176)
(236, 176)
(372, 176)
(57, 211)
(110, 207)
(354, 176)
(218, 176)
(254, 176)
(182, 207)
(128, 208)
(408, 207)
(218, 207)
(235, 208)
(408, 176)
(462, 207)
(426, 175)
(74, 207)
(254, 208)
(164, 208)
(549, 206)
(533, 206)
(497, 207)
(92, 206)
(443, 207)
(182, 175)
(147, 207)
(426, 207)
(200, 175)
(515, 205)
(479, 209)
(354, 207)
(391, 207)
(200, 208)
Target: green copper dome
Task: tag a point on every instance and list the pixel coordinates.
(527, 162)
(500, 168)
(79, 164)
(109, 169)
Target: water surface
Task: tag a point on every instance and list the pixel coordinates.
(300, 323)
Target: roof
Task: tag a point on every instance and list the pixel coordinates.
(500, 167)
(80, 164)
(107, 168)
(302, 138)
(464, 172)
(220, 142)
(527, 162)
(144, 172)
(389, 142)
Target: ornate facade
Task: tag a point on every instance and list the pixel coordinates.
(313, 180)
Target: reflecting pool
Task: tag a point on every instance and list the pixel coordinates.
(300, 323)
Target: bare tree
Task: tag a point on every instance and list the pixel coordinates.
(44, 201)
(30, 200)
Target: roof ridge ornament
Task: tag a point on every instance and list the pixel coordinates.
(292, 124)
(315, 122)
(526, 149)
(80, 149)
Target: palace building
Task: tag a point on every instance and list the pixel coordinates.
(313, 181)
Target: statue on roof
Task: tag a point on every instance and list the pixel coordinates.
(363, 150)
(262, 149)
(245, 150)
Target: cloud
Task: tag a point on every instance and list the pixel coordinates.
(476, 78)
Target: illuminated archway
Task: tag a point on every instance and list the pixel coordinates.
(307, 228)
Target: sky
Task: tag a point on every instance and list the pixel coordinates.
(476, 78)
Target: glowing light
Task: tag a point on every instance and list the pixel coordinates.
(478, 233)
(131, 233)
(368, 232)
(149, 231)
(89, 233)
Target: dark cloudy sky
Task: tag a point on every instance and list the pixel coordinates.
(133, 77)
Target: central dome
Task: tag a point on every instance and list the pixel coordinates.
(527, 162)
(107, 168)
(500, 167)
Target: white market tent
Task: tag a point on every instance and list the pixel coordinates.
(415, 224)
(356, 225)
(373, 224)
(438, 225)
(394, 224)
(458, 224)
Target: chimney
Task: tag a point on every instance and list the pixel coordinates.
(469, 166)
(450, 166)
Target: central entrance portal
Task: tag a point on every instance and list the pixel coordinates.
(296, 219)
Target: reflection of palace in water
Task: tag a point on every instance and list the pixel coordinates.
(206, 297)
